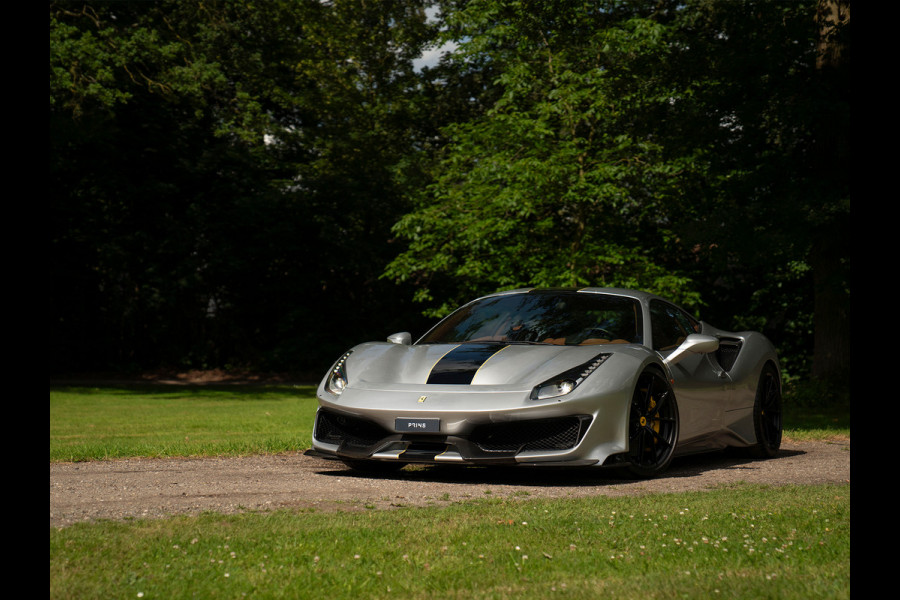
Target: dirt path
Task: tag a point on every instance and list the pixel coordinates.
(151, 488)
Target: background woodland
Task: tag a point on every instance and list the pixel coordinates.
(261, 185)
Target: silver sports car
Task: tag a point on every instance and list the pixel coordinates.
(548, 377)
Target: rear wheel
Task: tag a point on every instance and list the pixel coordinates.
(652, 425)
(767, 414)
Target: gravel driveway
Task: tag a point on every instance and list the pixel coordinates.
(153, 488)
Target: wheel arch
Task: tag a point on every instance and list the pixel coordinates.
(765, 363)
(662, 444)
(768, 413)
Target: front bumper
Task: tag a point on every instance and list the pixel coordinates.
(500, 428)
(508, 443)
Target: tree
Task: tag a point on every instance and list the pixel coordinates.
(232, 180)
(559, 182)
(689, 148)
(222, 178)
(775, 223)
(830, 249)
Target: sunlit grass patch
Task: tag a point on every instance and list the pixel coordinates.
(99, 423)
(90, 423)
(742, 542)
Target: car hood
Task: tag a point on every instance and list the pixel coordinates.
(378, 365)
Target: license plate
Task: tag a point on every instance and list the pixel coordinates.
(405, 425)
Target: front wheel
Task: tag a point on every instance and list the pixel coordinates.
(652, 425)
(767, 414)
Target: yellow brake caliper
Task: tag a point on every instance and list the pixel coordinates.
(655, 425)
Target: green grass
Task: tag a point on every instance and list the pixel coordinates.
(91, 423)
(741, 542)
(824, 422)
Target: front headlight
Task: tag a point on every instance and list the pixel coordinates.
(553, 389)
(565, 382)
(337, 378)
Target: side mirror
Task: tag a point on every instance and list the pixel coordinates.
(403, 338)
(695, 343)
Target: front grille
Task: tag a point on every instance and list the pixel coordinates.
(334, 428)
(728, 352)
(540, 434)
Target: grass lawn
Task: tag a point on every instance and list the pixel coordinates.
(90, 423)
(744, 541)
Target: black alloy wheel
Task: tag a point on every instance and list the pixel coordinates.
(652, 425)
(767, 421)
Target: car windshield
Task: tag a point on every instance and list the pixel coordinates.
(561, 318)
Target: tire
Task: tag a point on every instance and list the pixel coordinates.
(767, 417)
(653, 424)
(373, 466)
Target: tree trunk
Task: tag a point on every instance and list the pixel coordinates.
(831, 340)
(830, 253)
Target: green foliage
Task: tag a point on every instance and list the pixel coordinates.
(775, 205)
(553, 185)
(830, 397)
(266, 183)
(699, 150)
(222, 179)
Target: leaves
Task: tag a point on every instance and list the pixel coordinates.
(221, 173)
(238, 181)
(552, 185)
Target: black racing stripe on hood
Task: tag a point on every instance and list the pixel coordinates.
(460, 364)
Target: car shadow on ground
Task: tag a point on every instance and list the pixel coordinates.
(685, 466)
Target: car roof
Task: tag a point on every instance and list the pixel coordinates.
(643, 297)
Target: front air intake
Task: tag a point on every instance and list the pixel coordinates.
(334, 428)
(562, 433)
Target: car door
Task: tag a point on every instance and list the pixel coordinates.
(701, 386)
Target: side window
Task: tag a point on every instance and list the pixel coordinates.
(689, 323)
(669, 325)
